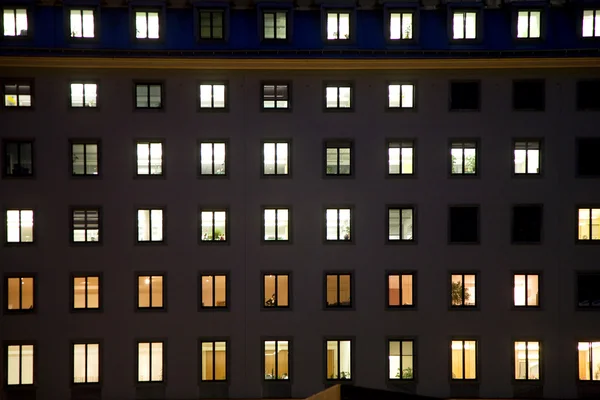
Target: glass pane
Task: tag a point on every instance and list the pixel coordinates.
(282, 224)
(88, 23)
(27, 293)
(27, 365)
(281, 25)
(469, 296)
(220, 291)
(90, 94)
(344, 97)
(93, 363)
(532, 290)
(332, 26)
(407, 290)
(331, 97)
(458, 27)
(141, 92)
(269, 158)
(282, 158)
(143, 362)
(207, 361)
(270, 360)
(394, 224)
(91, 159)
(394, 96)
(9, 22)
(269, 28)
(206, 92)
(344, 289)
(153, 25)
(143, 225)
(345, 166)
(282, 291)
(332, 290)
(534, 24)
(157, 291)
(143, 291)
(220, 361)
(407, 224)
(345, 359)
(219, 96)
(207, 291)
(394, 290)
(21, 25)
(78, 159)
(331, 221)
(76, 95)
(156, 158)
(470, 25)
(79, 363)
(331, 161)
(157, 362)
(519, 290)
(79, 292)
(14, 293)
(156, 219)
(523, 24)
(407, 96)
(344, 26)
(270, 297)
(282, 360)
(470, 359)
(93, 292)
(457, 359)
(587, 27)
(14, 365)
(76, 21)
(395, 26)
(344, 231)
(533, 161)
(584, 223)
(394, 360)
(26, 226)
(407, 26)
(394, 158)
(332, 359)
(220, 225)
(407, 160)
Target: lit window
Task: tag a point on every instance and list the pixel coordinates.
(150, 291)
(20, 292)
(401, 359)
(463, 290)
(588, 290)
(214, 291)
(147, 25)
(338, 224)
(526, 290)
(338, 97)
(85, 225)
(19, 226)
(401, 96)
(591, 23)
(86, 363)
(338, 159)
(213, 158)
(148, 95)
(84, 159)
(149, 157)
(17, 95)
(464, 359)
(401, 25)
(527, 361)
(339, 359)
(463, 158)
(212, 96)
(339, 290)
(277, 356)
(276, 224)
(528, 24)
(276, 291)
(18, 158)
(82, 23)
(400, 224)
(213, 226)
(276, 158)
(150, 225)
(211, 24)
(276, 96)
(84, 95)
(20, 366)
(86, 292)
(275, 25)
(401, 290)
(150, 362)
(589, 359)
(15, 22)
(464, 25)
(338, 26)
(401, 158)
(588, 224)
(214, 360)
(527, 157)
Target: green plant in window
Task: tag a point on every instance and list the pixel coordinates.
(344, 375)
(406, 373)
(470, 164)
(458, 297)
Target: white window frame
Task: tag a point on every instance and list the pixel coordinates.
(150, 214)
(459, 26)
(17, 24)
(147, 32)
(87, 364)
(524, 23)
(279, 32)
(404, 30)
(10, 235)
(85, 29)
(20, 380)
(590, 22)
(209, 96)
(338, 32)
(89, 95)
(401, 96)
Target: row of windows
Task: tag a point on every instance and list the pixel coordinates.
(339, 26)
(277, 361)
(464, 95)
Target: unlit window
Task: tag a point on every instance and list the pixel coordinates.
(18, 158)
(148, 96)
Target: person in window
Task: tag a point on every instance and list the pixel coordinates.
(271, 301)
(222, 237)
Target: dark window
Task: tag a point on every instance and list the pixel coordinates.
(527, 224)
(464, 224)
(338, 290)
(464, 95)
(529, 95)
(211, 24)
(85, 226)
(588, 156)
(18, 95)
(85, 158)
(18, 158)
(276, 96)
(338, 158)
(148, 95)
(587, 94)
(588, 290)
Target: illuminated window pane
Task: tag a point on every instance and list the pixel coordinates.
(86, 292)
(214, 291)
(213, 226)
(19, 226)
(20, 365)
(276, 361)
(150, 362)
(464, 359)
(400, 356)
(84, 158)
(339, 359)
(86, 363)
(527, 360)
(150, 291)
(15, 22)
(212, 96)
(150, 225)
(591, 23)
(275, 158)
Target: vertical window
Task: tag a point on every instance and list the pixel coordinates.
(401, 290)
(86, 363)
(84, 94)
(338, 224)
(19, 226)
(588, 360)
(588, 224)
(213, 96)
(464, 224)
(276, 290)
(18, 95)
(463, 290)
(588, 291)
(528, 24)
(587, 156)
(85, 159)
(401, 359)
(211, 24)
(586, 97)
(213, 291)
(529, 95)
(527, 361)
(401, 96)
(338, 96)
(20, 364)
(464, 25)
(86, 292)
(149, 158)
(464, 359)
(463, 158)
(276, 224)
(81, 23)
(18, 158)
(275, 25)
(464, 96)
(15, 22)
(150, 291)
(213, 159)
(339, 290)
(527, 221)
(150, 363)
(148, 95)
(277, 354)
(526, 290)
(338, 25)
(85, 225)
(276, 96)
(527, 157)
(401, 25)
(401, 157)
(400, 224)
(213, 225)
(276, 158)
(338, 158)
(150, 225)
(20, 292)
(147, 25)
(339, 359)
(590, 25)
(214, 360)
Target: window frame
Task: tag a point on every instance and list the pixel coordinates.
(339, 207)
(351, 11)
(86, 208)
(338, 274)
(84, 82)
(289, 143)
(199, 144)
(150, 274)
(212, 108)
(401, 207)
(273, 9)
(136, 371)
(513, 240)
(213, 340)
(403, 9)
(224, 10)
(338, 339)
(19, 275)
(16, 5)
(579, 84)
(463, 306)
(214, 308)
(148, 84)
(67, 23)
(276, 84)
(479, 96)
(585, 242)
(338, 85)
(577, 307)
(596, 10)
(18, 82)
(479, 31)
(86, 275)
(389, 141)
(150, 208)
(414, 341)
(160, 9)
(163, 164)
(338, 144)
(464, 339)
(213, 209)
(515, 24)
(20, 142)
(463, 141)
(415, 296)
(516, 82)
(33, 228)
(585, 382)
(527, 307)
(276, 274)
(80, 141)
(527, 340)
(20, 343)
(542, 158)
(290, 224)
(401, 83)
(86, 342)
(290, 366)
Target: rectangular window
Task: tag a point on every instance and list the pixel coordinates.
(463, 158)
(150, 364)
(86, 292)
(20, 364)
(147, 24)
(401, 25)
(213, 291)
(213, 225)
(86, 363)
(529, 95)
(339, 290)
(81, 23)
(276, 96)
(276, 158)
(401, 96)
(211, 24)
(463, 290)
(464, 96)
(277, 354)
(276, 224)
(400, 224)
(84, 94)
(588, 150)
(587, 98)
(18, 95)
(464, 359)
(338, 158)
(527, 223)
(401, 359)
(526, 290)
(590, 26)
(148, 95)
(20, 292)
(339, 359)
(18, 158)
(588, 360)
(275, 25)
(401, 157)
(85, 225)
(464, 25)
(150, 291)
(213, 96)
(338, 97)
(85, 158)
(588, 290)
(529, 24)
(527, 157)
(338, 25)
(149, 158)
(150, 225)
(401, 290)
(19, 226)
(338, 224)
(15, 22)
(588, 224)
(527, 361)
(214, 360)
(276, 290)
(213, 159)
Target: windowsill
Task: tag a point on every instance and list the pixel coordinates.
(338, 176)
(588, 309)
(213, 242)
(151, 243)
(340, 241)
(11, 177)
(150, 384)
(212, 41)
(401, 176)
(24, 38)
(463, 308)
(86, 385)
(400, 109)
(19, 244)
(402, 42)
(525, 308)
(75, 40)
(155, 176)
(85, 310)
(213, 109)
(526, 175)
(150, 309)
(275, 41)
(528, 110)
(276, 110)
(88, 176)
(339, 42)
(587, 242)
(149, 109)
(86, 244)
(19, 108)
(212, 309)
(476, 40)
(275, 176)
(276, 242)
(464, 243)
(20, 312)
(338, 109)
(464, 110)
(526, 243)
(401, 308)
(401, 242)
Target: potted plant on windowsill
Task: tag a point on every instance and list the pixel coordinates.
(406, 373)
